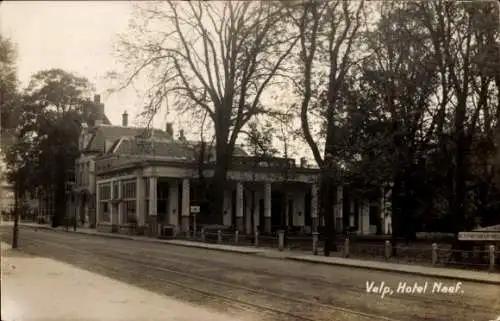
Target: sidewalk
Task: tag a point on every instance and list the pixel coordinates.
(439, 272)
(36, 289)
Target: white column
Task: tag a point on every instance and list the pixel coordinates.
(153, 185)
(267, 208)
(98, 204)
(339, 208)
(111, 205)
(185, 204)
(239, 199)
(382, 211)
(139, 200)
(267, 200)
(120, 205)
(239, 206)
(388, 212)
(314, 207)
(173, 204)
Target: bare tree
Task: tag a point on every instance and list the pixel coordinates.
(218, 57)
(328, 33)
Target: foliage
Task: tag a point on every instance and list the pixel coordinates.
(47, 143)
(8, 84)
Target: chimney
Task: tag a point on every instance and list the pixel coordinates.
(303, 162)
(170, 129)
(97, 99)
(125, 119)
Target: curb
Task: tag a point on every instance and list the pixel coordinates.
(152, 240)
(278, 257)
(48, 228)
(212, 249)
(385, 269)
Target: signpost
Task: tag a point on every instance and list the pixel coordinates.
(479, 236)
(195, 209)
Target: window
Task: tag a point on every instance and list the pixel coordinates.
(129, 190)
(105, 212)
(116, 190)
(105, 192)
(130, 210)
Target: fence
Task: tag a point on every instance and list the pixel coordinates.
(486, 257)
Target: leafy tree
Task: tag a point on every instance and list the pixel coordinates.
(218, 58)
(49, 128)
(8, 84)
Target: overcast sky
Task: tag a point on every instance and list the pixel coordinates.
(76, 36)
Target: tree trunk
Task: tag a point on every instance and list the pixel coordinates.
(15, 231)
(396, 203)
(218, 182)
(326, 209)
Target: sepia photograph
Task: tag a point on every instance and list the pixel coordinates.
(280, 160)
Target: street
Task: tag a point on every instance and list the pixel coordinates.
(270, 289)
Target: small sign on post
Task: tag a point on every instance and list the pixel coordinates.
(479, 236)
(195, 209)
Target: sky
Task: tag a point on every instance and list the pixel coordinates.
(77, 36)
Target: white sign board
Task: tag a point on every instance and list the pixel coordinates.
(195, 209)
(479, 236)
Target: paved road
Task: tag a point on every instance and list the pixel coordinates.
(269, 288)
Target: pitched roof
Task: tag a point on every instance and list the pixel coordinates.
(103, 133)
(137, 146)
(163, 147)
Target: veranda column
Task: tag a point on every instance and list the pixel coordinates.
(185, 205)
(314, 207)
(98, 205)
(267, 208)
(239, 206)
(339, 209)
(153, 205)
(112, 213)
(121, 219)
(139, 201)
(382, 211)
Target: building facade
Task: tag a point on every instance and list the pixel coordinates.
(142, 179)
